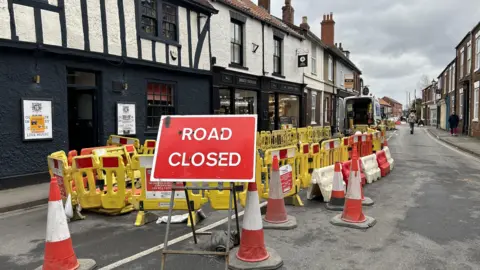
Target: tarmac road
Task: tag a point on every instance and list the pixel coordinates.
(427, 212)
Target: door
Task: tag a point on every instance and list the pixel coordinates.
(82, 110)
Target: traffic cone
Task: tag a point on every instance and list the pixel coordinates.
(276, 216)
(385, 142)
(337, 199)
(252, 253)
(352, 215)
(59, 254)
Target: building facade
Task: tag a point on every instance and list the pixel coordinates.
(76, 72)
(252, 57)
(385, 109)
(397, 108)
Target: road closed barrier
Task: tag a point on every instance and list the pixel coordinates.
(383, 163)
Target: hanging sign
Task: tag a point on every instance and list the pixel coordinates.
(303, 60)
(126, 124)
(349, 81)
(37, 119)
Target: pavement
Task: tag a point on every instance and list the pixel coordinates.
(465, 143)
(23, 197)
(427, 213)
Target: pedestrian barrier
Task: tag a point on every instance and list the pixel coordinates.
(114, 179)
(390, 160)
(156, 195)
(370, 168)
(337, 200)
(383, 163)
(120, 141)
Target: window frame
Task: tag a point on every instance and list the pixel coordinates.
(469, 57)
(242, 39)
(313, 108)
(314, 59)
(453, 79)
(476, 97)
(160, 21)
(462, 61)
(173, 93)
(477, 52)
(330, 68)
(460, 103)
(278, 57)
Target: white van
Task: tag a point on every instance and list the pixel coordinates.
(361, 110)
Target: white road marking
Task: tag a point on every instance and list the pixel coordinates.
(171, 242)
(455, 149)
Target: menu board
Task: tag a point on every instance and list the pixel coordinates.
(126, 124)
(37, 119)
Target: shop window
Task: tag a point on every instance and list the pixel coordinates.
(277, 56)
(225, 101)
(245, 102)
(79, 78)
(314, 105)
(288, 110)
(160, 101)
(236, 43)
(159, 19)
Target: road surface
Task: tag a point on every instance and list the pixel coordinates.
(427, 211)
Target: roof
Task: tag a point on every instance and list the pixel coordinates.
(205, 4)
(250, 8)
(467, 35)
(449, 65)
(391, 100)
(383, 102)
(345, 59)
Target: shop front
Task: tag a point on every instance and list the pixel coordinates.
(278, 104)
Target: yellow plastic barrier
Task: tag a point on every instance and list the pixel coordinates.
(149, 147)
(120, 141)
(310, 160)
(327, 132)
(156, 195)
(84, 170)
(361, 128)
(115, 195)
(331, 152)
(317, 134)
(377, 142)
(346, 148)
(58, 167)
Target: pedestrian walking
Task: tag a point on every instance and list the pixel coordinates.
(412, 118)
(453, 121)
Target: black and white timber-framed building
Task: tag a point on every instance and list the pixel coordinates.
(85, 56)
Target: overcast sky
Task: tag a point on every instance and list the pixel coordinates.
(393, 42)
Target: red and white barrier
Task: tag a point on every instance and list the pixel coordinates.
(370, 168)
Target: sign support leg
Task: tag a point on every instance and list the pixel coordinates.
(190, 209)
(167, 230)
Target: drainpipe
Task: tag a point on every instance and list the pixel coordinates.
(263, 48)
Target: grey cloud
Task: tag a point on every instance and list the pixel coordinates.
(393, 42)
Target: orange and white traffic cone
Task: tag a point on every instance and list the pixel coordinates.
(59, 254)
(276, 216)
(337, 199)
(252, 253)
(352, 215)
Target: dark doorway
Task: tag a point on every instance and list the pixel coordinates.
(82, 109)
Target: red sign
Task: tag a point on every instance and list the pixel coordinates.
(286, 178)
(206, 148)
(160, 190)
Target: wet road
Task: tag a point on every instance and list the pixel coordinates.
(427, 211)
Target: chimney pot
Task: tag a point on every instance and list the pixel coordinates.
(304, 19)
(264, 4)
(304, 25)
(331, 16)
(288, 12)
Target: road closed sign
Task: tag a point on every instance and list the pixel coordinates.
(206, 148)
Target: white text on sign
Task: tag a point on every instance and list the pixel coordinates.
(212, 159)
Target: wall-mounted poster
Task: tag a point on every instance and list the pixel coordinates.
(37, 119)
(126, 118)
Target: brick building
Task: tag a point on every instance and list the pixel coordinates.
(397, 108)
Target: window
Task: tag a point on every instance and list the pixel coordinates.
(460, 107)
(330, 68)
(469, 57)
(453, 80)
(326, 112)
(342, 78)
(461, 63)
(475, 99)
(160, 101)
(314, 59)
(236, 46)
(159, 19)
(477, 52)
(288, 110)
(433, 93)
(314, 106)
(277, 56)
(245, 102)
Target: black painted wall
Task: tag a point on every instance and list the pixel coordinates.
(17, 69)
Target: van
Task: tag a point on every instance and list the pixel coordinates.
(361, 110)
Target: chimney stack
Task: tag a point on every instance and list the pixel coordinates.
(288, 12)
(304, 25)
(264, 4)
(328, 29)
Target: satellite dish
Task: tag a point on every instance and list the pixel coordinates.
(365, 91)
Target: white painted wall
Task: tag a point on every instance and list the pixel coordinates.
(220, 33)
(341, 70)
(52, 35)
(314, 81)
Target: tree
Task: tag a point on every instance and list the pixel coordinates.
(423, 82)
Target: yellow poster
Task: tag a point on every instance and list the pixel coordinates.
(37, 123)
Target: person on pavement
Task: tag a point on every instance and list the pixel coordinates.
(412, 118)
(453, 121)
